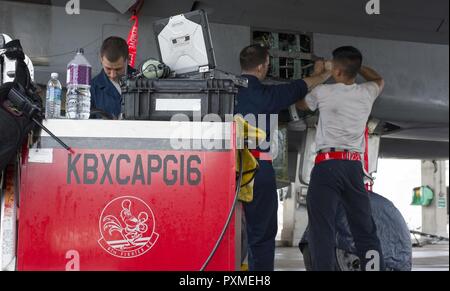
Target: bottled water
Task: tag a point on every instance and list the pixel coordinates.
(84, 102)
(53, 98)
(78, 97)
(78, 102)
(72, 103)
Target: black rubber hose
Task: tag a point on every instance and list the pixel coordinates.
(230, 215)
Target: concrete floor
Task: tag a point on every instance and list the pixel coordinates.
(428, 258)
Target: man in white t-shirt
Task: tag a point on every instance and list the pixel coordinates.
(338, 174)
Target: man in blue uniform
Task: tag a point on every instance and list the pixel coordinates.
(261, 213)
(106, 94)
(338, 175)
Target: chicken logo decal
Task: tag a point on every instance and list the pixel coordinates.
(127, 226)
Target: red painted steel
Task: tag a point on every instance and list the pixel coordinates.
(164, 216)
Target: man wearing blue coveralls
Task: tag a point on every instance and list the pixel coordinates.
(338, 175)
(261, 213)
(106, 94)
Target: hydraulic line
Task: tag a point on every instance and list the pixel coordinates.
(230, 215)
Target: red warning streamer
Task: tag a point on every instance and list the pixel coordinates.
(132, 41)
(366, 158)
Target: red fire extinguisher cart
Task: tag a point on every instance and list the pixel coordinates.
(133, 195)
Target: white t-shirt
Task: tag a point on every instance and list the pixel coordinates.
(117, 87)
(344, 112)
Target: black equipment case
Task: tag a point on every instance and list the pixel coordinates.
(146, 99)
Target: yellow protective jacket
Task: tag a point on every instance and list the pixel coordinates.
(245, 131)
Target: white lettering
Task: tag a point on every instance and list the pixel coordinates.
(191, 281)
(373, 7)
(373, 263)
(74, 261)
(73, 7)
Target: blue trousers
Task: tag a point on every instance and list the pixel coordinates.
(333, 182)
(261, 219)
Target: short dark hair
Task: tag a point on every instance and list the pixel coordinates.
(113, 48)
(252, 56)
(350, 58)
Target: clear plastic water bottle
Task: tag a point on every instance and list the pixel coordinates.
(53, 98)
(78, 99)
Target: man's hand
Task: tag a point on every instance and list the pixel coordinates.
(318, 79)
(319, 68)
(328, 66)
(372, 76)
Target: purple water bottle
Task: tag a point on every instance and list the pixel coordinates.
(78, 99)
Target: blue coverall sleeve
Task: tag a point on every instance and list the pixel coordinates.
(280, 97)
(93, 96)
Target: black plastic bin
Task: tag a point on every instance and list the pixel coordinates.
(145, 99)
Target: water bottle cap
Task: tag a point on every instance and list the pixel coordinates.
(54, 75)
